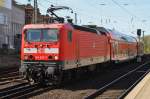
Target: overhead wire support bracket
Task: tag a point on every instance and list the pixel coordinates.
(52, 10)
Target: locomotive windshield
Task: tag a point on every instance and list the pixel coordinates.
(41, 35)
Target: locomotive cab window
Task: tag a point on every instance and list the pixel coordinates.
(33, 35)
(41, 35)
(70, 36)
(50, 35)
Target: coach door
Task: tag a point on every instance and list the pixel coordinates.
(77, 48)
(115, 50)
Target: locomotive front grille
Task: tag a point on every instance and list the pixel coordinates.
(40, 63)
(37, 66)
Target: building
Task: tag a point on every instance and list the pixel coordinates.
(29, 15)
(12, 19)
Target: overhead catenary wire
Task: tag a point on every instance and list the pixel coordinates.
(125, 10)
(50, 2)
(139, 19)
(43, 6)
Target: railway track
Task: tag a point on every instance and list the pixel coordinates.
(10, 81)
(15, 91)
(9, 75)
(84, 88)
(114, 89)
(4, 71)
(12, 85)
(23, 90)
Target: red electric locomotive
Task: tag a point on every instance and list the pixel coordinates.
(51, 50)
(48, 50)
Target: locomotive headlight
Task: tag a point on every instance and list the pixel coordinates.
(25, 57)
(30, 57)
(56, 57)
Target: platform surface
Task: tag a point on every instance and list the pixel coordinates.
(142, 90)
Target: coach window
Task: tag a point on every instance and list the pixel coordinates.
(70, 36)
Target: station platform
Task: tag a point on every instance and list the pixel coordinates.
(142, 89)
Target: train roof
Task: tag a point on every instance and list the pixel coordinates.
(32, 26)
(88, 28)
(84, 28)
(101, 30)
(120, 36)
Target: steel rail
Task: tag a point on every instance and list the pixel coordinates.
(20, 91)
(33, 93)
(11, 89)
(102, 89)
(10, 78)
(9, 73)
(9, 70)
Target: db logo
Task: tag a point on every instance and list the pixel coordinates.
(40, 50)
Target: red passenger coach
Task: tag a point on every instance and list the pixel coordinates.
(123, 47)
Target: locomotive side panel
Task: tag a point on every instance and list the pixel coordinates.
(68, 48)
(85, 49)
(93, 48)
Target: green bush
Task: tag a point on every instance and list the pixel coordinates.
(147, 44)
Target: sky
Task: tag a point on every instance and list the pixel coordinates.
(123, 15)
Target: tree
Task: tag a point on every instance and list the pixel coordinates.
(147, 44)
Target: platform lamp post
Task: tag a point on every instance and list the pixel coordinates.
(143, 35)
(138, 46)
(143, 32)
(143, 40)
